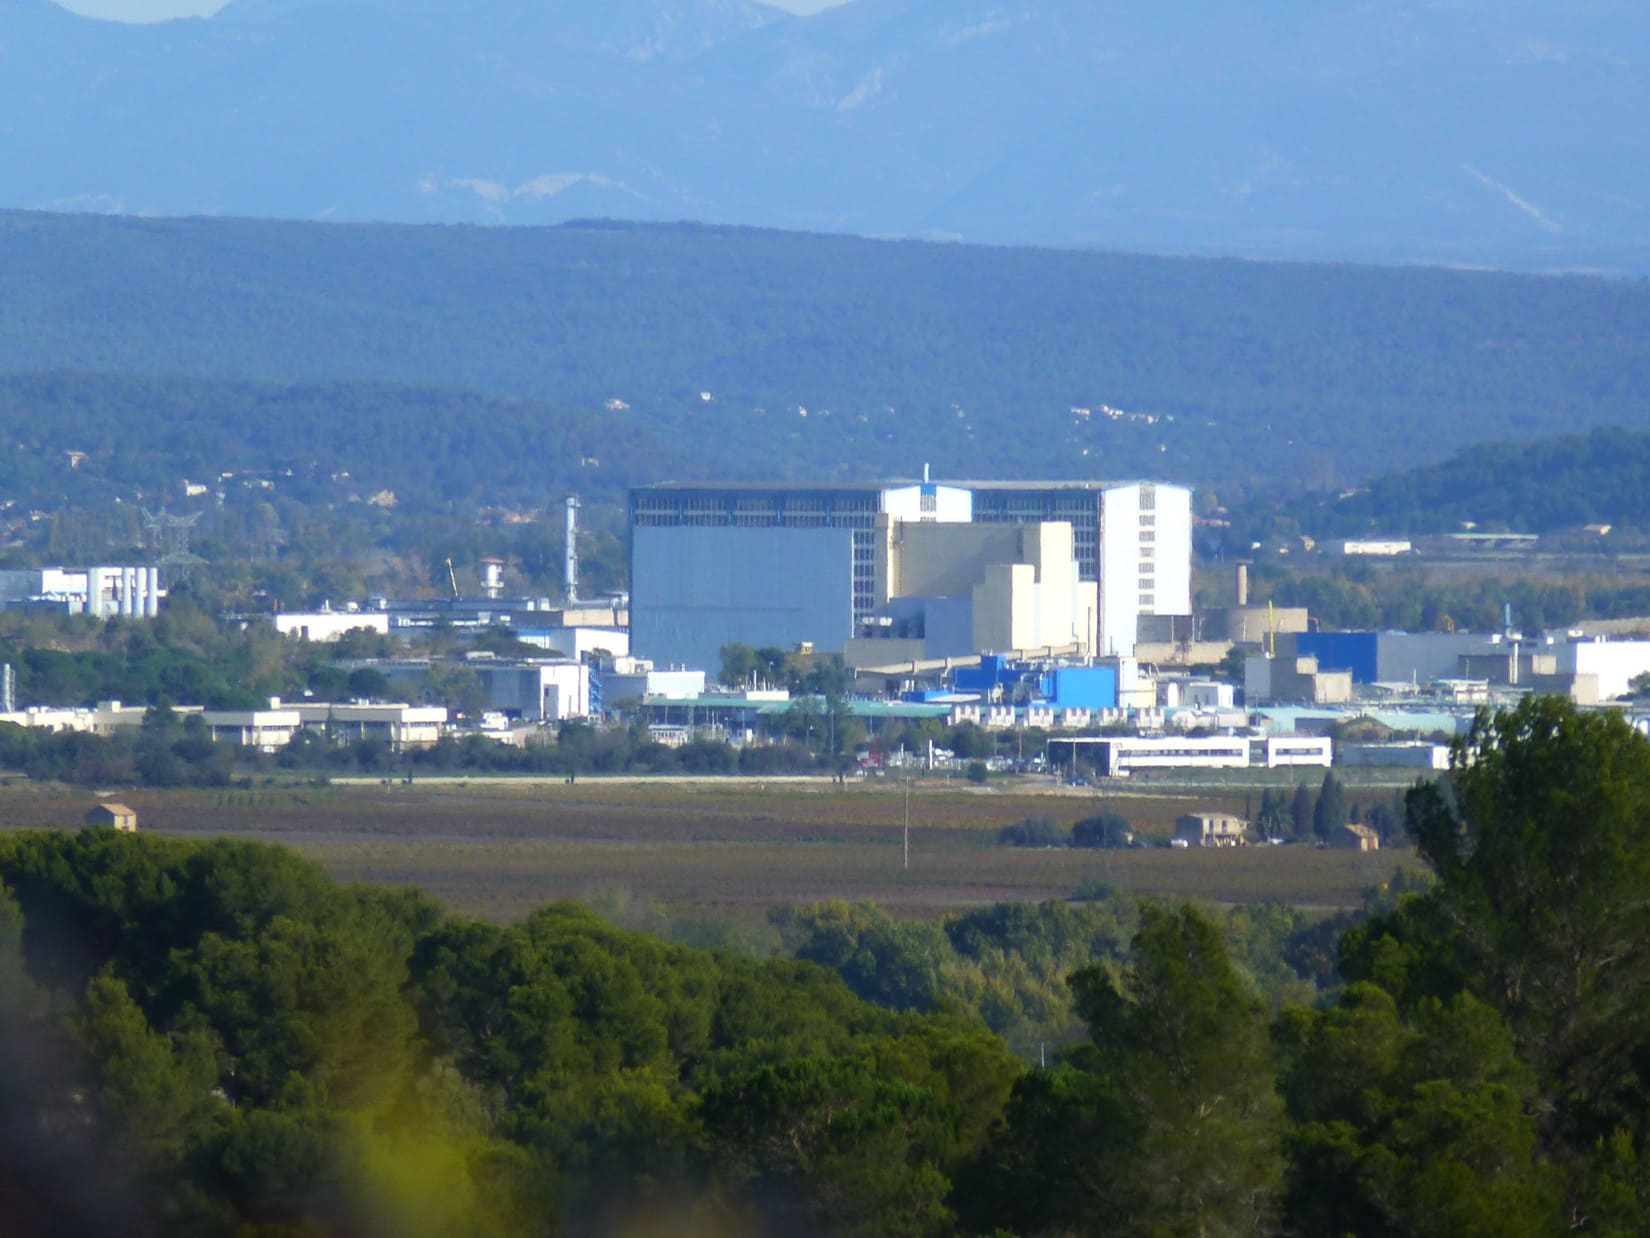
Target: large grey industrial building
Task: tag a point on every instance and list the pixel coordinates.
(777, 565)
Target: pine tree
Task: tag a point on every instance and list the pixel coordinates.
(1301, 811)
(1329, 814)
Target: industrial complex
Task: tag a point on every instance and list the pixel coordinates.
(1060, 608)
(894, 572)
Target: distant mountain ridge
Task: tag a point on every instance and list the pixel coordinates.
(1503, 132)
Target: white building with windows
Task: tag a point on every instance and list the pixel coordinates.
(786, 565)
(1145, 559)
(1117, 756)
(399, 725)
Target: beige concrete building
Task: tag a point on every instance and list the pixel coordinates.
(1293, 679)
(1253, 625)
(956, 589)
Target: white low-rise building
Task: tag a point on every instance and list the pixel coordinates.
(1378, 547)
(1289, 751)
(1195, 694)
(326, 626)
(535, 690)
(629, 686)
(102, 592)
(1613, 663)
(1400, 755)
(577, 642)
(267, 730)
(1121, 755)
(104, 718)
(401, 726)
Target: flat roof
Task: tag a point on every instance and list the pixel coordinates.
(857, 709)
(899, 483)
(849, 487)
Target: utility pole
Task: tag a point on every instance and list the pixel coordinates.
(907, 838)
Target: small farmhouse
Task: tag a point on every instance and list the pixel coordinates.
(111, 815)
(1211, 829)
(1357, 838)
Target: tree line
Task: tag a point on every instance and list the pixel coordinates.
(225, 1041)
(1411, 596)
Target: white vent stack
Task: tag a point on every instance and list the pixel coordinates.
(129, 591)
(492, 578)
(570, 564)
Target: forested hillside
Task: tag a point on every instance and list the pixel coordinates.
(224, 1042)
(753, 352)
(322, 443)
(1578, 479)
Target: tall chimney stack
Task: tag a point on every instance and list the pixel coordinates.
(570, 563)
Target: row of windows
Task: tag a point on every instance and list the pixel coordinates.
(1238, 755)
(754, 511)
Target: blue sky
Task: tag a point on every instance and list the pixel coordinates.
(160, 10)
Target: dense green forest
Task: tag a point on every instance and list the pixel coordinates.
(225, 1042)
(1602, 477)
(318, 444)
(1416, 597)
(975, 359)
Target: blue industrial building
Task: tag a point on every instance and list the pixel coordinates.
(1358, 652)
(993, 673)
(1061, 687)
(1389, 657)
(1081, 687)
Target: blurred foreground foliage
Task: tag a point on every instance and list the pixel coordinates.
(229, 1043)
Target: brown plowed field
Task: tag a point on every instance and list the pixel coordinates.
(499, 850)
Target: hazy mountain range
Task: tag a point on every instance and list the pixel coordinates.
(1508, 132)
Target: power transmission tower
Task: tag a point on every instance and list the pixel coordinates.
(168, 538)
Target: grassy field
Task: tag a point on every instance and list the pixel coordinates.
(499, 850)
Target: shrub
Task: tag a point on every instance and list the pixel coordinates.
(1032, 832)
(1108, 829)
